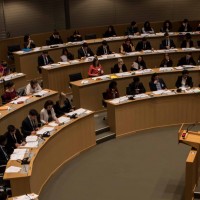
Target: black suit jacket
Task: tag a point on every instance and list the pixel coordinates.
(140, 46)
(153, 86)
(183, 61)
(100, 50)
(116, 68)
(133, 86)
(184, 44)
(81, 53)
(188, 82)
(182, 28)
(164, 44)
(164, 63)
(41, 61)
(27, 127)
(4, 156)
(55, 40)
(11, 141)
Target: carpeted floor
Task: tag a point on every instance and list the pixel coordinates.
(149, 165)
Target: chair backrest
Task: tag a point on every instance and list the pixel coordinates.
(90, 36)
(128, 92)
(75, 77)
(21, 91)
(112, 70)
(104, 95)
(13, 48)
(3, 99)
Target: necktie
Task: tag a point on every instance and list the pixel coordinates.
(144, 46)
(105, 50)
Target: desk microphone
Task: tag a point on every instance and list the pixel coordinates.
(191, 126)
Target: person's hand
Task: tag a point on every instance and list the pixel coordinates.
(33, 132)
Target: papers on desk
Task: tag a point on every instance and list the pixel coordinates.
(196, 90)
(79, 111)
(20, 100)
(189, 49)
(31, 144)
(18, 154)
(104, 77)
(64, 63)
(63, 119)
(46, 67)
(74, 61)
(147, 51)
(11, 76)
(44, 130)
(84, 82)
(36, 49)
(55, 65)
(26, 197)
(145, 71)
(161, 92)
(166, 69)
(189, 66)
(89, 59)
(179, 68)
(41, 93)
(119, 100)
(31, 138)
(13, 169)
(19, 52)
(160, 34)
(141, 96)
(123, 74)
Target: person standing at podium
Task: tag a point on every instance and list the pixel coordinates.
(157, 83)
(185, 80)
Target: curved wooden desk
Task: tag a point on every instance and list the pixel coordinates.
(27, 62)
(57, 78)
(18, 112)
(90, 95)
(158, 111)
(66, 142)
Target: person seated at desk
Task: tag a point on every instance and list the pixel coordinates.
(138, 64)
(63, 105)
(187, 60)
(185, 26)
(3, 195)
(55, 38)
(187, 43)
(95, 69)
(33, 87)
(47, 114)
(110, 32)
(10, 92)
(76, 37)
(85, 51)
(198, 27)
(28, 43)
(127, 46)
(185, 80)
(136, 87)
(147, 29)
(119, 66)
(43, 60)
(30, 123)
(166, 62)
(104, 49)
(133, 29)
(112, 91)
(167, 27)
(144, 44)
(167, 43)
(4, 70)
(14, 138)
(156, 83)
(4, 156)
(66, 55)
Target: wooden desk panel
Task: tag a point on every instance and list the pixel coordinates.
(68, 141)
(153, 112)
(90, 95)
(18, 112)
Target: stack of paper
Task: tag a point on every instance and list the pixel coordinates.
(74, 61)
(189, 66)
(64, 63)
(31, 138)
(119, 100)
(104, 77)
(158, 92)
(20, 100)
(18, 154)
(123, 74)
(31, 144)
(41, 93)
(166, 69)
(141, 96)
(55, 65)
(84, 82)
(13, 169)
(26, 197)
(63, 119)
(44, 130)
(79, 111)
(178, 68)
(196, 90)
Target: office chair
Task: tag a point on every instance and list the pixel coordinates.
(3, 99)
(198, 43)
(90, 36)
(104, 104)
(21, 91)
(75, 77)
(128, 92)
(12, 49)
(112, 70)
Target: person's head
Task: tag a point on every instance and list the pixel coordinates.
(167, 24)
(166, 35)
(104, 43)
(154, 77)
(10, 85)
(185, 73)
(133, 23)
(11, 129)
(113, 85)
(144, 39)
(188, 36)
(95, 62)
(26, 38)
(146, 24)
(55, 32)
(188, 56)
(166, 56)
(76, 32)
(45, 53)
(33, 114)
(33, 84)
(120, 61)
(128, 41)
(85, 45)
(110, 28)
(185, 22)
(136, 79)
(3, 140)
(48, 105)
(64, 51)
(139, 58)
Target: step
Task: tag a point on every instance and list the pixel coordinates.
(103, 137)
(102, 130)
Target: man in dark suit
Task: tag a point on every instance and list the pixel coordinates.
(30, 123)
(187, 43)
(43, 60)
(187, 60)
(185, 80)
(143, 45)
(85, 51)
(55, 38)
(167, 43)
(4, 156)
(185, 26)
(136, 87)
(157, 83)
(104, 49)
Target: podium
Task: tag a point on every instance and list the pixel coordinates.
(191, 138)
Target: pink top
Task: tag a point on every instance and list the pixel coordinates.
(95, 71)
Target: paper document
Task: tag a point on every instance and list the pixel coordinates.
(31, 144)
(44, 130)
(78, 112)
(16, 156)
(13, 169)
(123, 74)
(20, 99)
(63, 119)
(178, 68)
(31, 138)
(26, 197)
(166, 69)
(41, 93)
